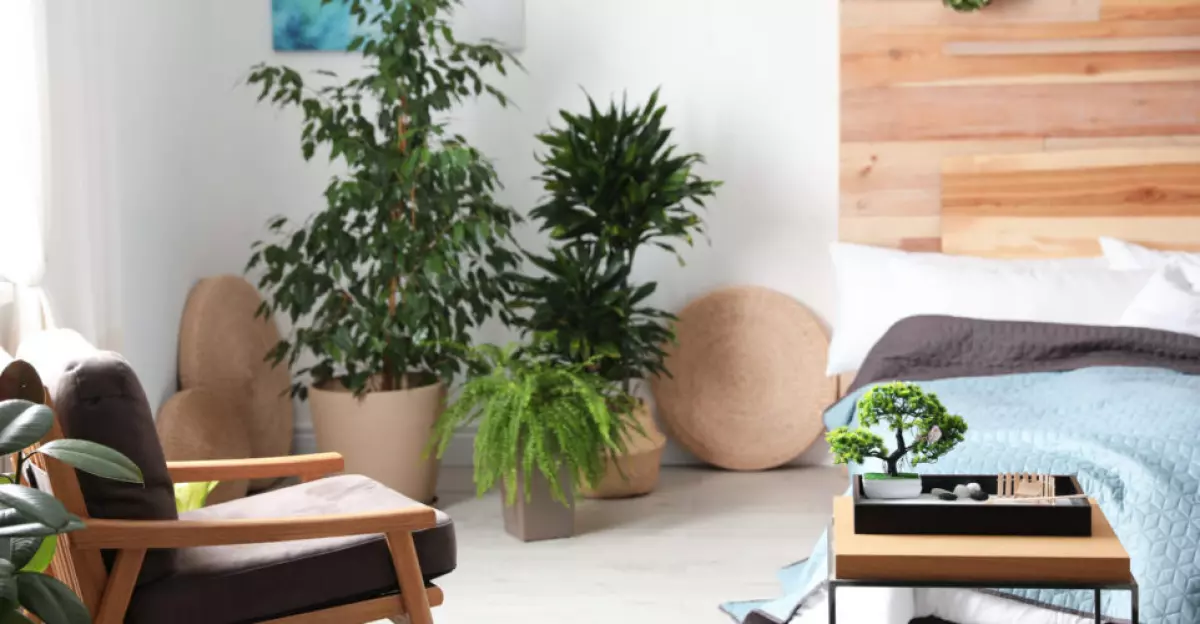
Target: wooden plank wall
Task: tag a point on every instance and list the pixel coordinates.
(922, 84)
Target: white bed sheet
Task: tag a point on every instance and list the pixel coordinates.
(865, 605)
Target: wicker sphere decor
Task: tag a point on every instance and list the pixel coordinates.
(748, 382)
(200, 424)
(221, 347)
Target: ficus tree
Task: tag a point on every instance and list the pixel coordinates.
(909, 413)
(407, 254)
(615, 183)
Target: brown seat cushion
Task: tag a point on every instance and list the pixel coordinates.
(252, 582)
(99, 398)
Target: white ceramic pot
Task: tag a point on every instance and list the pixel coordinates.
(892, 488)
(383, 435)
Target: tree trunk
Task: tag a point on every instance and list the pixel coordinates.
(893, 460)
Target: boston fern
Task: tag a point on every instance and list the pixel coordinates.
(406, 254)
(615, 184)
(534, 414)
(32, 520)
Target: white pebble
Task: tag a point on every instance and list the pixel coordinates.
(962, 491)
(973, 487)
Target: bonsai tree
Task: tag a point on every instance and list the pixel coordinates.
(31, 520)
(966, 6)
(534, 415)
(615, 184)
(405, 256)
(905, 409)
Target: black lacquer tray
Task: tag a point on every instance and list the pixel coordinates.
(930, 516)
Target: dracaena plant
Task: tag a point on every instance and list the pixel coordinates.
(405, 256)
(615, 184)
(32, 520)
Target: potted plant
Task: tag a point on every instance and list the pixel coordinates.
(615, 185)
(903, 408)
(33, 519)
(544, 429)
(405, 256)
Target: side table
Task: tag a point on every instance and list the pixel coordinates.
(1095, 563)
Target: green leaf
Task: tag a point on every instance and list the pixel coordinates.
(93, 458)
(50, 600)
(37, 552)
(14, 617)
(22, 424)
(8, 585)
(192, 496)
(34, 505)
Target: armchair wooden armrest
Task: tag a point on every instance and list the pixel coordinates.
(132, 538)
(143, 534)
(307, 467)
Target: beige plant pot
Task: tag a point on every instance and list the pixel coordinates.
(539, 517)
(636, 472)
(383, 435)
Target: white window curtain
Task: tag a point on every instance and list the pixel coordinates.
(23, 165)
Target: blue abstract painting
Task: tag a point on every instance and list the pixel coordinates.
(312, 25)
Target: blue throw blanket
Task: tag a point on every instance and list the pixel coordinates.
(1131, 434)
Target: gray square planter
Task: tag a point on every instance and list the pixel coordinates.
(541, 517)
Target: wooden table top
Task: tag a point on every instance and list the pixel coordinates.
(1099, 559)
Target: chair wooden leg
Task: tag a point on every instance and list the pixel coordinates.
(120, 585)
(408, 573)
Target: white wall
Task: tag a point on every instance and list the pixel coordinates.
(197, 166)
(126, 129)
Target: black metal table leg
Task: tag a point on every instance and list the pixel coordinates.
(1133, 603)
(833, 604)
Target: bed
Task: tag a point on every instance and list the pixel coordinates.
(1114, 399)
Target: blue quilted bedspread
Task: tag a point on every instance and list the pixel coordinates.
(1132, 435)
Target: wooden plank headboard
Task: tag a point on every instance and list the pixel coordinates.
(1056, 121)
(1056, 204)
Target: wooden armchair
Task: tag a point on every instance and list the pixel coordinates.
(248, 546)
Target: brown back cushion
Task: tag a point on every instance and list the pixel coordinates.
(99, 398)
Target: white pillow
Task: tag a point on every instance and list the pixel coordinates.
(1168, 302)
(877, 287)
(1124, 256)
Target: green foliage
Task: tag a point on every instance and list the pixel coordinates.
(854, 445)
(192, 496)
(902, 408)
(615, 184)
(535, 414)
(405, 257)
(31, 520)
(966, 6)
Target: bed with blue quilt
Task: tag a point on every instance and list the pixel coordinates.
(1117, 406)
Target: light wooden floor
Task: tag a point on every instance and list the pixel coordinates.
(705, 537)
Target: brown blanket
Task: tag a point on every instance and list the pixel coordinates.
(922, 348)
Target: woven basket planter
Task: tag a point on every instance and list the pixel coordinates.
(636, 472)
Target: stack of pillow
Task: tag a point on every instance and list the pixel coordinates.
(1130, 285)
(1171, 299)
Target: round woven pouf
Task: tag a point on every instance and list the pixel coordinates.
(201, 424)
(747, 382)
(221, 347)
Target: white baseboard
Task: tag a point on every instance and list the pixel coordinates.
(461, 451)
